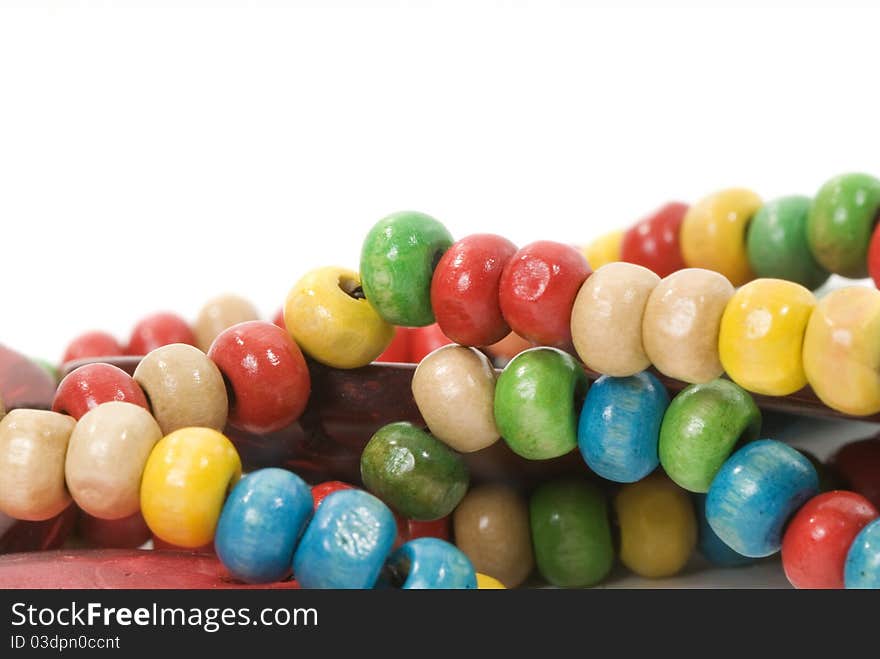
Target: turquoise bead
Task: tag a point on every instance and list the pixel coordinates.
(710, 545)
(754, 494)
(397, 264)
(862, 567)
(777, 243)
(431, 563)
(260, 524)
(619, 426)
(346, 543)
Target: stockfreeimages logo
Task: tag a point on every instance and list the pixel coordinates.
(95, 614)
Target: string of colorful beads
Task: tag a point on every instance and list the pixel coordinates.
(735, 233)
(544, 292)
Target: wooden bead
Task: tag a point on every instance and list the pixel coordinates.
(762, 335)
(492, 527)
(681, 323)
(106, 456)
(658, 528)
(754, 494)
(604, 250)
(840, 222)
(218, 314)
(842, 350)
(184, 387)
(777, 243)
(862, 566)
(414, 472)
(2, 409)
(713, 233)
(431, 564)
(485, 582)
(454, 388)
(33, 444)
(606, 320)
(185, 483)
(571, 533)
(701, 427)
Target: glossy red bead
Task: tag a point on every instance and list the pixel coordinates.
(126, 533)
(322, 490)
(537, 291)
(653, 241)
(858, 464)
(92, 384)
(874, 256)
(425, 340)
(157, 330)
(398, 350)
(464, 289)
(818, 538)
(92, 344)
(266, 374)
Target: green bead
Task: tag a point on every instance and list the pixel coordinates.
(700, 429)
(840, 223)
(413, 472)
(570, 533)
(397, 262)
(537, 401)
(777, 243)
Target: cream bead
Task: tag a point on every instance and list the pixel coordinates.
(33, 444)
(184, 388)
(106, 456)
(606, 320)
(218, 314)
(454, 388)
(681, 324)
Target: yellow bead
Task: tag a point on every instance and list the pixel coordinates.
(485, 582)
(605, 249)
(327, 315)
(713, 233)
(185, 483)
(762, 336)
(658, 527)
(842, 350)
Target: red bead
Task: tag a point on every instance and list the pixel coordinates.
(425, 340)
(653, 241)
(278, 319)
(266, 372)
(818, 538)
(92, 384)
(464, 290)
(410, 529)
(398, 350)
(126, 533)
(537, 291)
(39, 536)
(322, 490)
(92, 344)
(157, 330)
(858, 463)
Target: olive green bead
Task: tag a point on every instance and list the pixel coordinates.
(413, 472)
(700, 429)
(398, 259)
(840, 223)
(777, 243)
(537, 402)
(571, 534)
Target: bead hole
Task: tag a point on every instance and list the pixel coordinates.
(352, 288)
(395, 574)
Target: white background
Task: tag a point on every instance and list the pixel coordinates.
(152, 158)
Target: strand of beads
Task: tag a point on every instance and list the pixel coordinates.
(735, 233)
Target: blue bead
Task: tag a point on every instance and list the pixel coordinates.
(261, 523)
(755, 492)
(862, 567)
(711, 546)
(433, 563)
(619, 426)
(346, 543)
